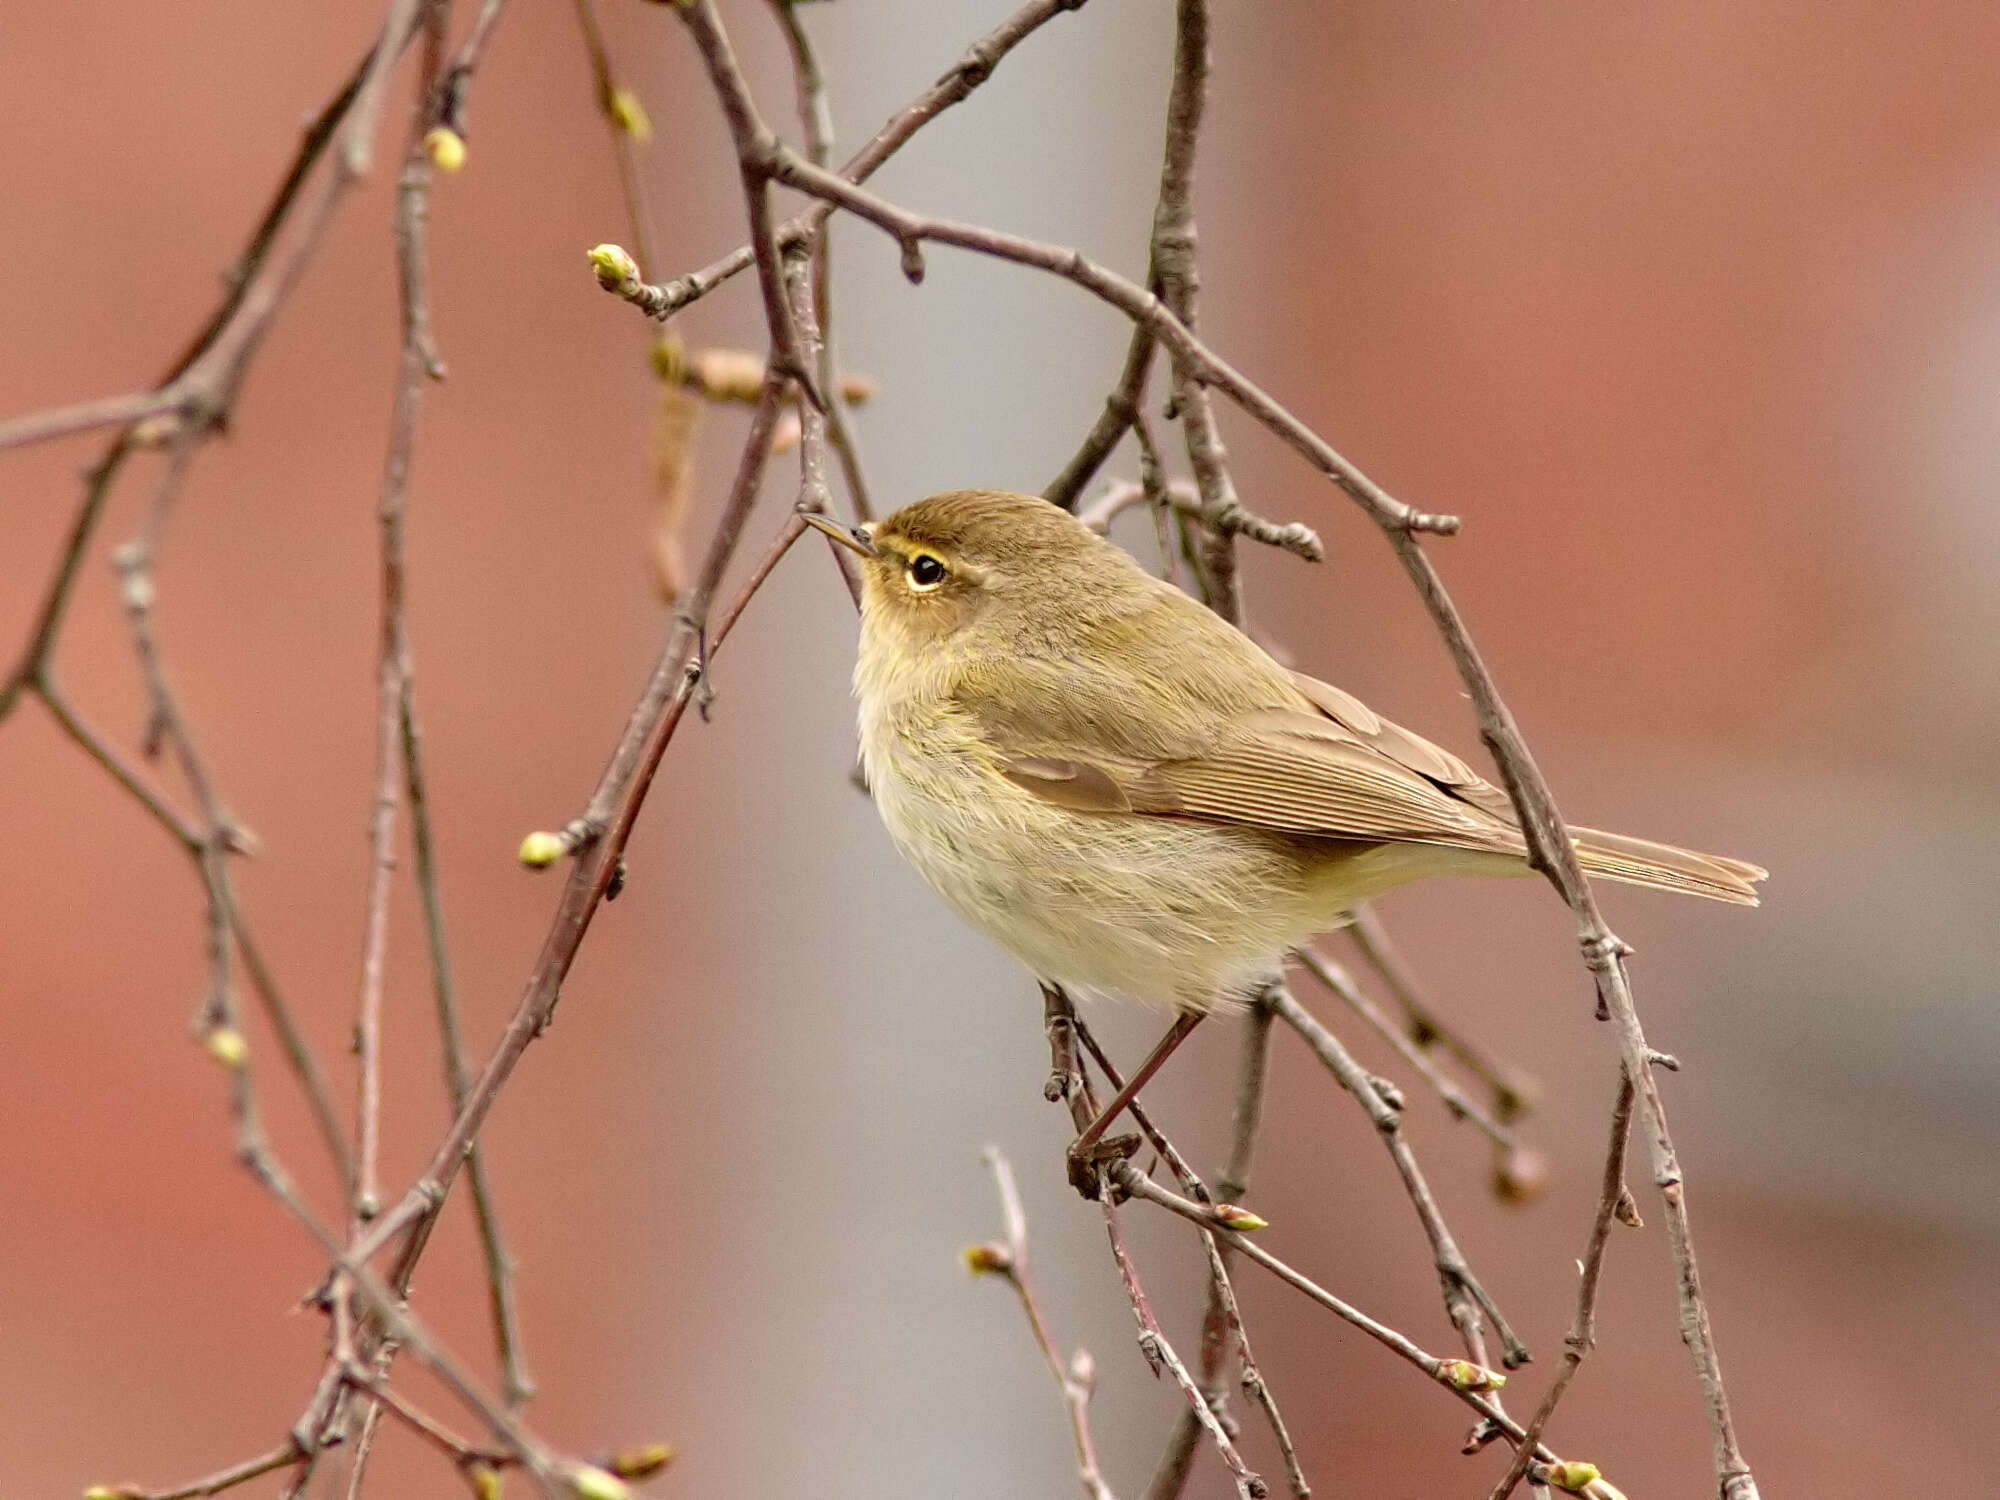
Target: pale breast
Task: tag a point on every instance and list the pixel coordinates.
(1160, 909)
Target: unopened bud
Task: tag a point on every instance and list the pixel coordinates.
(1571, 1474)
(614, 266)
(1235, 1216)
(642, 1463)
(540, 849)
(226, 1045)
(445, 147)
(485, 1482)
(727, 374)
(991, 1259)
(629, 115)
(156, 432)
(1464, 1375)
(669, 358)
(592, 1483)
(1083, 1369)
(1519, 1174)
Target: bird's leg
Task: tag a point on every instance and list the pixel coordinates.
(1065, 1068)
(1176, 1034)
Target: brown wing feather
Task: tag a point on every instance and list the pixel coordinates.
(1402, 745)
(1286, 770)
(1320, 763)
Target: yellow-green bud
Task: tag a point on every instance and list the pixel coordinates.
(614, 266)
(445, 147)
(987, 1260)
(1572, 1474)
(540, 849)
(486, 1482)
(642, 1463)
(226, 1045)
(1464, 1375)
(593, 1483)
(1235, 1216)
(629, 115)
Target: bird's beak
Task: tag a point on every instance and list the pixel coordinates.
(854, 539)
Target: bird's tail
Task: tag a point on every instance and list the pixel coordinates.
(1664, 867)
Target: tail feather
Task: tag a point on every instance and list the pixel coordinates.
(1664, 867)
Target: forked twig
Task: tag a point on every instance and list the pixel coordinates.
(1075, 1377)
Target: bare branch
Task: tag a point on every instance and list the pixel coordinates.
(1074, 1377)
(912, 231)
(1464, 1297)
(1514, 1093)
(1341, 983)
(214, 1484)
(1294, 537)
(1582, 1338)
(971, 70)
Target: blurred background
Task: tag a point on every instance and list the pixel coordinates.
(1691, 312)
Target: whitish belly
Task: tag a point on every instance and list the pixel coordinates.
(1178, 913)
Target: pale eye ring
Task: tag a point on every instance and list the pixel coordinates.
(926, 572)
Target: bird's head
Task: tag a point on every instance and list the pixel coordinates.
(975, 570)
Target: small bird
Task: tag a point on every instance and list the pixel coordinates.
(1125, 791)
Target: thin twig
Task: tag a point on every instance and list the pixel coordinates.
(387, 1308)
(1552, 852)
(1074, 1377)
(420, 358)
(464, 63)
(423, 1424)
(614, 104)
(517, 1385)
(958, 81)
(199, 392)
(1176, 276)
(1294, 537)
(292, 1041)
(912, 231)
(1069, 1085)
(816, 119)
(1464, 1297)
(815, 426)
(1341, 984)
(1160, 1354)
(213, 1484)
(1514, 1093)
(1170, 1474)
(1222, 1323)
(1582, 1338)
(245, 273)
(416, 362)
(757, 150)
(1120, 408)
(598, 840)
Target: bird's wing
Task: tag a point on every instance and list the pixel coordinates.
(1326, 766)
(1315, 761)
(1406, 747)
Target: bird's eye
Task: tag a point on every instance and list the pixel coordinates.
(926, 572)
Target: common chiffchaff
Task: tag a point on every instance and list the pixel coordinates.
(1125, 791)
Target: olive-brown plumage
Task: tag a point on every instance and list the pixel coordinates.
(1125, 791)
